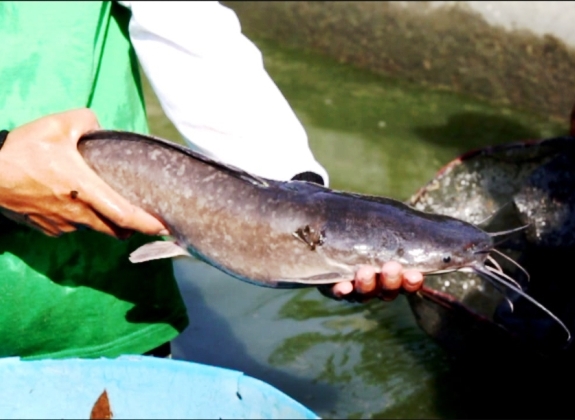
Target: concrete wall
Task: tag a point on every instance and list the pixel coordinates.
(515, 53)
(555, 18)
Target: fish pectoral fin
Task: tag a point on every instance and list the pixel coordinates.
(324, 278)
(157, 250)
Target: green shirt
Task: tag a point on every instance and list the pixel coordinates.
(77, 295)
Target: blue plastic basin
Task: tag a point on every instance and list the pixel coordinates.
(137, 387)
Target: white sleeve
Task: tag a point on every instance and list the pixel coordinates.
(212, 84)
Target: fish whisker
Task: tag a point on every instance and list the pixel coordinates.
(498, 284)
(493, 214)
(495, 263)
(496, 279)
(507, 232)
(496, 244)
(483, 251)
(512, 261)
(505, 276)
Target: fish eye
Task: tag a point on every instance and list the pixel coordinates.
(446, 259)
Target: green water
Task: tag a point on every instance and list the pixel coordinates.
(382, 136)
(374, 135)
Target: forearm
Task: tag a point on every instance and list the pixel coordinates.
(212, 84)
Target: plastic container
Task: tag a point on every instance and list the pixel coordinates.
(137, 387)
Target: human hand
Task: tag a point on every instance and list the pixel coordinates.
(45, 182)
(368, 284)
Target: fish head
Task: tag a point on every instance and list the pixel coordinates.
(450, 246)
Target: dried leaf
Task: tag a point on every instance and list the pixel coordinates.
(101, 409)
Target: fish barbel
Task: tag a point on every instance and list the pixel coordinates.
(278, 233)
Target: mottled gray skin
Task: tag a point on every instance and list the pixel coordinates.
(276, 234)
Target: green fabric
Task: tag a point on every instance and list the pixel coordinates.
(77, 295)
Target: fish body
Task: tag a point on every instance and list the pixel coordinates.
(274, 233)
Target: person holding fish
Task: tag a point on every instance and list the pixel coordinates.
(70, 68)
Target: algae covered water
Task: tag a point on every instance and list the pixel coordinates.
(378, 136)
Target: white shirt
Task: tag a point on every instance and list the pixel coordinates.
(212, 85)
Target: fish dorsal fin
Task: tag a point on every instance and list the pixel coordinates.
(129, 136)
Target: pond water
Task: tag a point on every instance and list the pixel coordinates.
(374, 135)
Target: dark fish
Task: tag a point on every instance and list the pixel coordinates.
(275, 233)
(529, 183)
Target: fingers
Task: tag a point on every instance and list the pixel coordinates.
(387, 284)
(365, 280)
(368, 284)
(341, 289)
(42, 226)
(391, 275)
(83, 121)
(394, 278)
(412, 280)
(353, 291)
(65, 127)
(99, 223)
(53, 226)
(391, 280)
